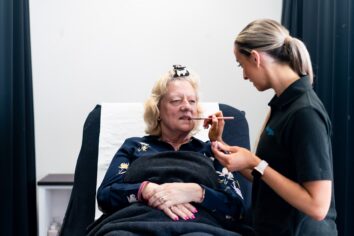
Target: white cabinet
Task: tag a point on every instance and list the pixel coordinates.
(53, 197)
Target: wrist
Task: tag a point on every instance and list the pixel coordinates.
(141, 189)
(255, 161)
(201, 194)
(259, 169)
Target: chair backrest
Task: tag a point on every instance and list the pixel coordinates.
(90, 166)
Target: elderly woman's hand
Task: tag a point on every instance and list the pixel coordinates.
(217, 126)
(174, 198)
(170, 194)
(180, 211)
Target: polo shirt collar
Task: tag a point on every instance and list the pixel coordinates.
(295, 90)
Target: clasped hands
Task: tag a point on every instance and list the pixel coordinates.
(174, 199)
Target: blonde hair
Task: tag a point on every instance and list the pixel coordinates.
(271, 37)
(151, 106)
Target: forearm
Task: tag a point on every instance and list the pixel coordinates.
(223, 203)
(247, 173)
(313, 199)
(116, 196)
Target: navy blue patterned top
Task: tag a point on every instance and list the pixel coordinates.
(113, 194)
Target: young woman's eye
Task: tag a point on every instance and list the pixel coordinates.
(239, 65)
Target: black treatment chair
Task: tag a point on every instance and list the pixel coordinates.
(80, 213)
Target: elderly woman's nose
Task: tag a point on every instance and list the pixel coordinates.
(185, 104)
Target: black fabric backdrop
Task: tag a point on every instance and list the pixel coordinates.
(17, 154)
(327, 29)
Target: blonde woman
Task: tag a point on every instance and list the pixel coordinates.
(292, 169)
(167, 182)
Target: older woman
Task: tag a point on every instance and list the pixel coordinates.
(169, 178)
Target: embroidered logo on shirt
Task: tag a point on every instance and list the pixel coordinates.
(143, 147)
(123, 168)
(269, 131)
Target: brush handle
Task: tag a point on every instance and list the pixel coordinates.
(208, 118)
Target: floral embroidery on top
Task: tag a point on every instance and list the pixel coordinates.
(227, 178)
(132, 198)
(144, 147)
(123, 168)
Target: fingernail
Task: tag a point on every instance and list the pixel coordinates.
(192, 217)
(194, 210)
(175, 218)
(186, 218)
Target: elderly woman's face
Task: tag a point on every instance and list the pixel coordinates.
(177, 106)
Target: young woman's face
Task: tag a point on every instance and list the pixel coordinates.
(177, 106)
(251, 70)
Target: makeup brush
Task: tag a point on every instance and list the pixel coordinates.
(209, 118)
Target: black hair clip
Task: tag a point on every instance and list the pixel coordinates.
(180, 71)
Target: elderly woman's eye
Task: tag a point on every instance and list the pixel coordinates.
(192, 102)
(176, 101)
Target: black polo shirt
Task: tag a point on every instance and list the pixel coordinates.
(295, 142)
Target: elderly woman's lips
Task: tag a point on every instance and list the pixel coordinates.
(185, 118)
(209, 118)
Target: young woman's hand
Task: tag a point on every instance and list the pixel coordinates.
(234, 158)
(216, 126)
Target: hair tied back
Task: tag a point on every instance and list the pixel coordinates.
(287, 39)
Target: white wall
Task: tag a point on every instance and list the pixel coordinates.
(89, 51)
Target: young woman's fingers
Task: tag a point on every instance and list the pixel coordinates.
(220, 156)
(226, 148)
(206, 123)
